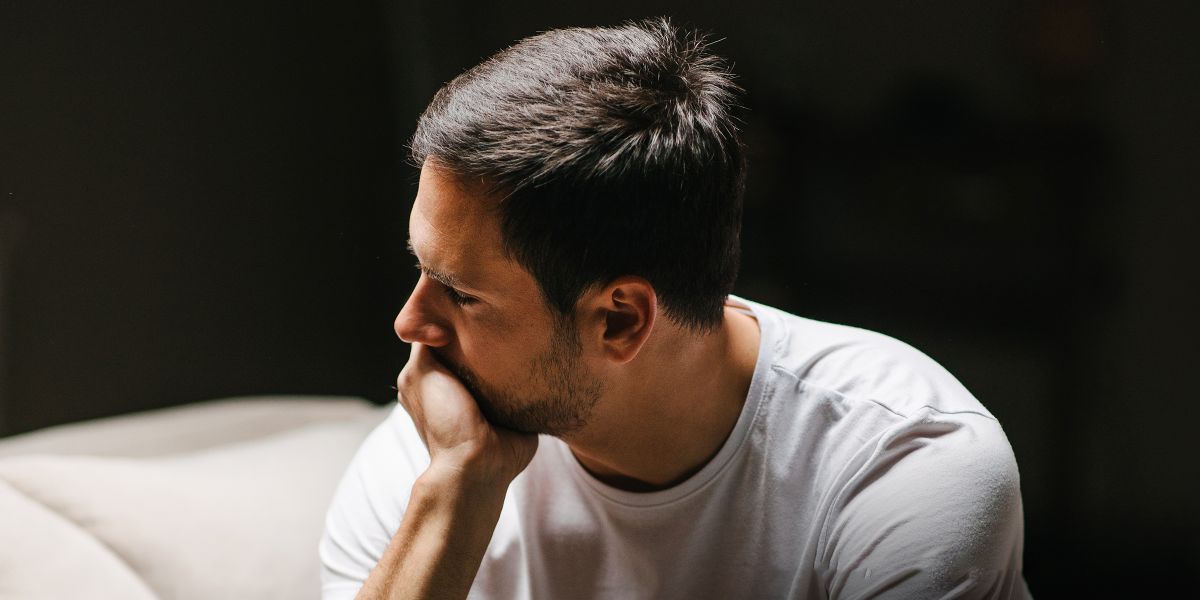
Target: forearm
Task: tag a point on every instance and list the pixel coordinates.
(441, 540)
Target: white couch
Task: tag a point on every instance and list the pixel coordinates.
(217, 500)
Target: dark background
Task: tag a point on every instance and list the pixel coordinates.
(209, 199)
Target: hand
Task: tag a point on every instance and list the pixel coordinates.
(461, 442)
(455, 504)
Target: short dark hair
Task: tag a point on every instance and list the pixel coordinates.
(612, 151)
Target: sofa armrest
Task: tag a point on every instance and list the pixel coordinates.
(189, 428)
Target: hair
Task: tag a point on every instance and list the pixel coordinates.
(610, 151)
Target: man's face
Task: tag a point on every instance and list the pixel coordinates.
(484, 317)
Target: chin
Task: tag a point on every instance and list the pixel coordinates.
(483, 399)
(563, 409)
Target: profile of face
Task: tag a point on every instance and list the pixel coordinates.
(484, 317)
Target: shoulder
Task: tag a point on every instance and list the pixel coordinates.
(922, 491)
(862, 365)
(892, 416)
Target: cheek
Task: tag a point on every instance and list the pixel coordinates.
(495, 354)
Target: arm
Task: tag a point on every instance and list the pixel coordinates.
(440, 543)
(455, 504)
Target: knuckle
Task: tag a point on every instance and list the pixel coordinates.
(404, 379)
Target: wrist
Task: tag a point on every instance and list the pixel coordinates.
(463, 504)
(452, 479)
(445, 531)
(476, 464)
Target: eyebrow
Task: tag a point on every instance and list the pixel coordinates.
(445, 279)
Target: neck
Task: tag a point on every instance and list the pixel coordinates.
(671, 409)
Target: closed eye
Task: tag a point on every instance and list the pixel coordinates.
(454, 295)
(458, 297)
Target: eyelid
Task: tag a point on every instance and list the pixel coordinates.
(453, 293)
(458, 297)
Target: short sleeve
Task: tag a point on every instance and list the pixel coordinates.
(931, 509)
(368, 505)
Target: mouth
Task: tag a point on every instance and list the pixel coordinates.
(445, 361)
(475, 387)
(464, 375)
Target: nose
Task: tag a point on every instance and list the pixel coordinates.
(419, 320)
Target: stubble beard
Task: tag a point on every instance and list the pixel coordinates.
(568, 394)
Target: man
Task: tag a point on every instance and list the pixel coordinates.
(587, 413)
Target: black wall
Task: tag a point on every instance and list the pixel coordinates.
(207, 200)
(205, 196)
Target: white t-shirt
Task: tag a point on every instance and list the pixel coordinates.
(859, 468)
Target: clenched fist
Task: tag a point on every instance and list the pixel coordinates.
(461, 442)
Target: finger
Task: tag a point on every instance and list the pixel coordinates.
(413, 410)
(416, 350)
(402, 400)
(425, 360)
(411, 407)
(404, 382)
(413, 368)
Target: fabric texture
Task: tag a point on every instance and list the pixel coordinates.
(41, 548)
(187, 428)
(234, 519)
(858, 468)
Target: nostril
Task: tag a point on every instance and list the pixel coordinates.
(432, 335)
(406, 328)
(412, 326)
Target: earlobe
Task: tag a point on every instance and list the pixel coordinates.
(630, 308)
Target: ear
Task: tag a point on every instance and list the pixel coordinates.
(622, 315)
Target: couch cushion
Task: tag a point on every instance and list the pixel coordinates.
(236, 521)
(187, 428)
(44, 556)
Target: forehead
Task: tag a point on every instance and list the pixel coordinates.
(454, 230)
(447, 212)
